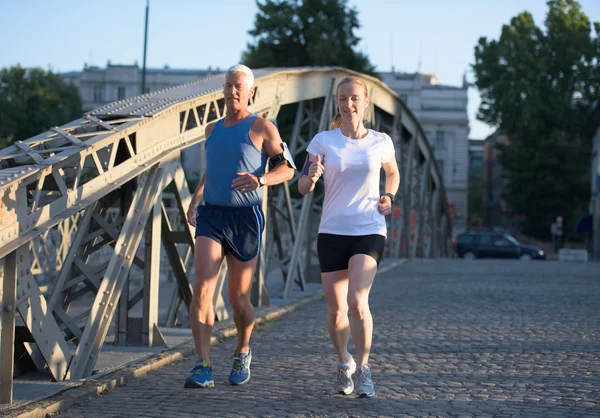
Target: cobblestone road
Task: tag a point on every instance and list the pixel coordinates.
(452, 338)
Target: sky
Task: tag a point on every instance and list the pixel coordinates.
(435, 36)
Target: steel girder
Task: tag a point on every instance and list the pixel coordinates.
(59, 191)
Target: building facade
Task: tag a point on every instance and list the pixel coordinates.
(476, 148)
(475, 194)
(99, 86)
(442, 112)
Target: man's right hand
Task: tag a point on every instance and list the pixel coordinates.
(191, 214)
(315, 170)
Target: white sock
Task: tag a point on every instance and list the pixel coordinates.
(347, 363)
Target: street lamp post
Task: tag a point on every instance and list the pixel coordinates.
(145, 46)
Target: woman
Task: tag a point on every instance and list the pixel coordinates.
(352, 231)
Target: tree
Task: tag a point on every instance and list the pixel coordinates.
(32, 101)
(474, 204)
(296, 33)
(539, 87)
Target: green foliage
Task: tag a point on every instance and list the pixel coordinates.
(297, 33)
(539, 87)
(32, 101)
(475, 196)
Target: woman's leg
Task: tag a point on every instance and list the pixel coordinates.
(361, 273)
(335, 289)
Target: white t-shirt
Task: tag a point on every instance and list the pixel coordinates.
(352, 176)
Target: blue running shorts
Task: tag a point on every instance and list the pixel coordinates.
(237, 228)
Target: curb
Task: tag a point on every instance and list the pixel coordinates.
(391, 266)
(104, 384)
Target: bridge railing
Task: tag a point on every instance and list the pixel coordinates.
(83, 210)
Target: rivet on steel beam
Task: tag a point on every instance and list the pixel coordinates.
(8, 308)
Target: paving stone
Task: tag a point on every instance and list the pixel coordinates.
(452, 338)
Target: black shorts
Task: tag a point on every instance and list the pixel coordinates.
(335, 251)
(237, 229)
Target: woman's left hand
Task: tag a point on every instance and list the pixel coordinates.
(385, 205)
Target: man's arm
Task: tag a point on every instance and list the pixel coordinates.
(198, 194)
(272, 145)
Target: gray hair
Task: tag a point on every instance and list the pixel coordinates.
(240, 68)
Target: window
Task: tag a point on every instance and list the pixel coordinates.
(439, 140)
(120, 93)
(465, 239)
(485, 239)
(440, 164)
(502, 242)
(511, 239)
(98, 94)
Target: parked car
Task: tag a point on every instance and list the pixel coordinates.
(471, 245)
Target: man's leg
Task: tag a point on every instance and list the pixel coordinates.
(208, 255)
(239, 285)
(335, 289)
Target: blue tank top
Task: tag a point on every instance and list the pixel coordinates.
(229, 150)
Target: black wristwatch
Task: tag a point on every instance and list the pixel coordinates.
(391, 196)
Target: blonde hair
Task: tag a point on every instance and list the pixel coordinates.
(337, 120)
(240, 68)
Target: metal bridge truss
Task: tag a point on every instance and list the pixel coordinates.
(83, 211)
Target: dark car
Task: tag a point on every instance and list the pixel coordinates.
(472, 245)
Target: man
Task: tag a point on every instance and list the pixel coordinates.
(231, 221)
